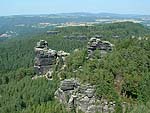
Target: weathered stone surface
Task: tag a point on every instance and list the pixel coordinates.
(46, 59)
(69, 84)
(42, 44)
(81, 97)
(41, 70)
(97, 44)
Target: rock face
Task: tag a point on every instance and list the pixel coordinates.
(46, 59)
(97, 44)
(77, 97)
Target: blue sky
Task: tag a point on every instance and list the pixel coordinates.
(17, 7)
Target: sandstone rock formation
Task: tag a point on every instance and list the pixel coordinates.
(97, 44)
(46, 59)
(77, 97)
(74, 95)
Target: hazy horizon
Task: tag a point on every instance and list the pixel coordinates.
(72, 13)
(33, 7)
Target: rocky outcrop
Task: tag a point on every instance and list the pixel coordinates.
(97, 44)
(74, 95)
(77, 96)
(46, 59)
(82, 97)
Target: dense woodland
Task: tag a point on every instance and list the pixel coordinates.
(129, 62)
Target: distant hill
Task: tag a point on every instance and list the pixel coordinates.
(111, 15)
(28, 25)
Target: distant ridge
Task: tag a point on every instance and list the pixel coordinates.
(87, 14)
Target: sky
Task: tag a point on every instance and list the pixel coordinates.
(21, 7)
